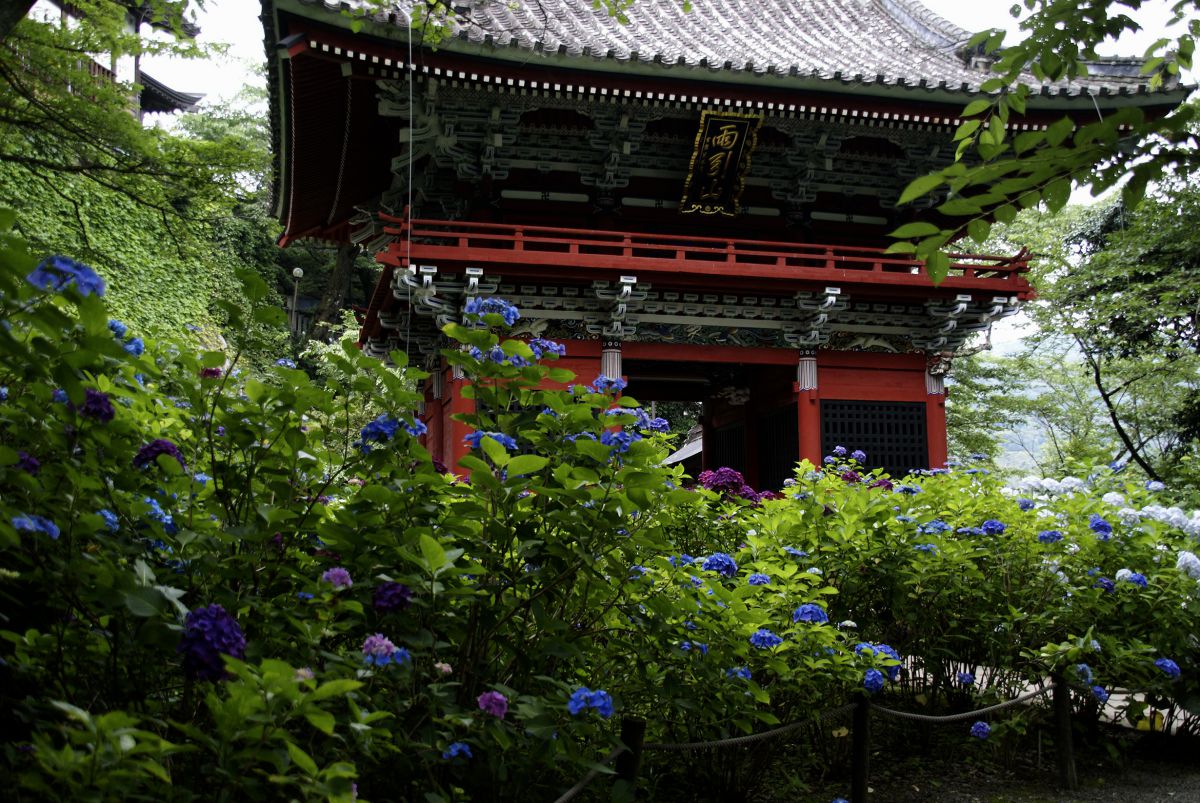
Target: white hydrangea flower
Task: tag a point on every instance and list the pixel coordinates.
(1189, 564)
(1072, 548)
(1128, 516)
(1113, 498)
(1123, 575)
(1071, 484)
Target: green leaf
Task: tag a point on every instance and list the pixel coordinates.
(975, 107)
(495, 452)
(334, 688)
(978, 230)
(917, 229)
(143, 602)
(432, 551)
(302, 760)
(526, 464)
(1006, 213)
(1059, 131)
(1056, 194)
(321, 720)
(937, 266)
(919, 186)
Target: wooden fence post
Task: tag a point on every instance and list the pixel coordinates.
(629, 762)
(1062, 734)
(860, 751)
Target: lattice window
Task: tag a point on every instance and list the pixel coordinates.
(892, 434)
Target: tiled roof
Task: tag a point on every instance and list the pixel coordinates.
(864, 42)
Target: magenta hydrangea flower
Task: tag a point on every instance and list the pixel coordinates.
(494, 703)
(390, 597)
(209, 633)
(337, 577)
(97, 406)
(379, 650)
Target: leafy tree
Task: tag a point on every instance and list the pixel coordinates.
(994, 175)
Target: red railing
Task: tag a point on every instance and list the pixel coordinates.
(509, 244)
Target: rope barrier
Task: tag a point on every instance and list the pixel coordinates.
(891, 712)
(587, 779)
(737, 741)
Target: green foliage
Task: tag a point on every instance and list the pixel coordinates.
(995, 175)
(387, 607)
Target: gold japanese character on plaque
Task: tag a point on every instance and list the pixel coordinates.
(720, 161)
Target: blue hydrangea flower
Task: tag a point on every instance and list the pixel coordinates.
(541, 347)
(134, 347)
(1128, 576)
(156, 513)
(118, 329)
(993, 527)
(26, 522)
(1049, 536)
(742, 672)
(965, 678)
(1026, 504)
(933, 527)
(759, 579)
(209, 633)
(839, 451)
(620, 441)
(911, 490)
(864, 648)
(795, 553)
(457, 749)
(110, 520)
(58, 272)
(930, 548)
(873, 681)
(1154, 486)
(810, 612)
(681, 560)
(1100, 527)
(201, 478)
(1168, 667)
(1084, 673)
(475, 438)
(858, 455)
(59, 396)
(1106, 584)
(584, 698)
(688, 646)
(480, 306)
(720, 563)
(1100, 694)
(605, 384)
(3, 393)
(285, 362)
(764, 639)
(981, 730)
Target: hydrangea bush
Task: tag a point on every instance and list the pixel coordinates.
(224, 582)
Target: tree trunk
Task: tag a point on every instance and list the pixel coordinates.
(333, 299)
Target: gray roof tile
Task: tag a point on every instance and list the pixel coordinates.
(883, 42)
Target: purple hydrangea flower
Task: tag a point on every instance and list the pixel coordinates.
(391, 597)
(149, 453)
(97, 406)
(209, 633)
(58, 272)
(378, 650)
(810, 612)
(210, 373)
(28, 463)
(858, 455)
(337, 577)
(839, 451)
(494, 703)
(723, 480)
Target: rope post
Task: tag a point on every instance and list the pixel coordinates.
(860, 751)
(629, 762)
(1062, 734)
